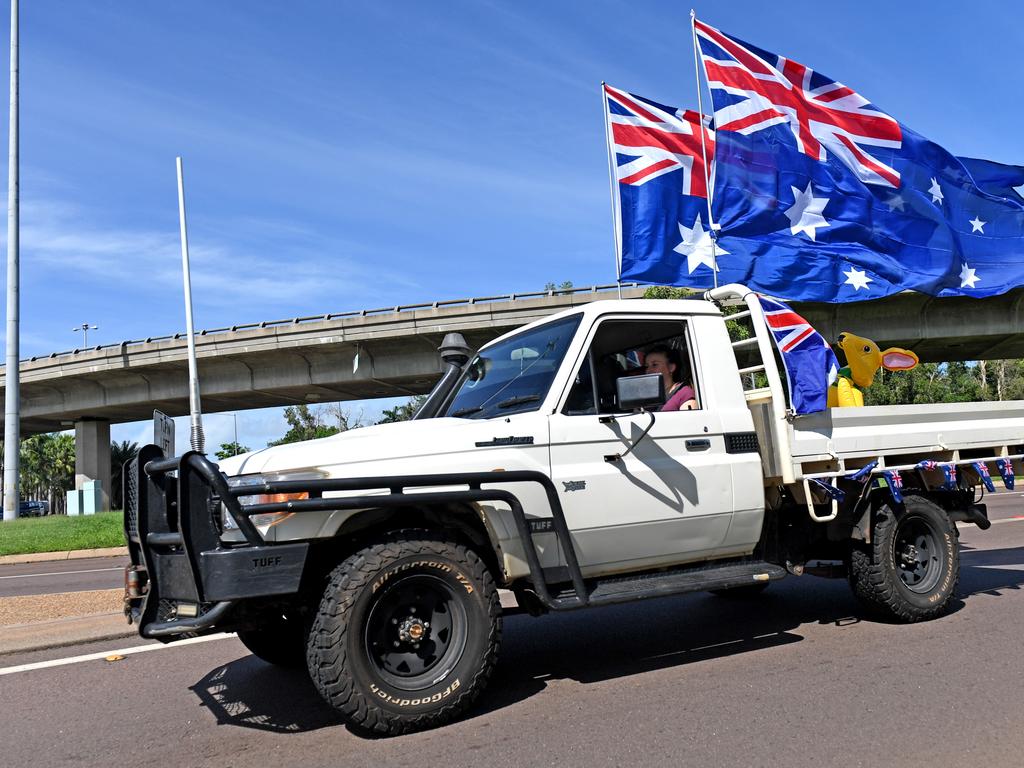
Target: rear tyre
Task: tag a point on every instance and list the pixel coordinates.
(407, 633)
(280, 641)
(911, 569)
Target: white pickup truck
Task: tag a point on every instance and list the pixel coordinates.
(541, 465)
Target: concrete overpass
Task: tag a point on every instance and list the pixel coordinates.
(392, 351)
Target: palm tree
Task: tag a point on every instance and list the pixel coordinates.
(59, 455)
(120, 454)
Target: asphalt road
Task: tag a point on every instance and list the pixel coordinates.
(791, 678)
(55, 576)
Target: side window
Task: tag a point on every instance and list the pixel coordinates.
(631, 348)
(582, 394)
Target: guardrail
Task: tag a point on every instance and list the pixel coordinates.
(339, 315)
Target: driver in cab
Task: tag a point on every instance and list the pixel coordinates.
(664, 361)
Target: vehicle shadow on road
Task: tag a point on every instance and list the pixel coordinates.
(601, 644)
(987, 571)
(250, 693)
(620, 641)
(609, 643)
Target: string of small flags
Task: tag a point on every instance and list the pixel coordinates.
(894, 479)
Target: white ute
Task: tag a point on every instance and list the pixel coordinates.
(541, 465)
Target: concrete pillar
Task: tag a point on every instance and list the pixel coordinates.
(92, 455)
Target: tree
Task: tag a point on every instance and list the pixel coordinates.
(403, 411)
(667, 292)
(566, 285)
(305, 423)
(47, 469)
(227, 450)
(120, 454)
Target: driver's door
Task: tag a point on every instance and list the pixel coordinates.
(671, 498)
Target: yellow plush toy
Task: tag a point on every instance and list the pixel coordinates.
(863, 359)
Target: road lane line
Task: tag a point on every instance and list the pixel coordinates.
(105, 654)
(59, 573)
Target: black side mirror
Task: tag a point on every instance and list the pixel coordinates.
(635, 392)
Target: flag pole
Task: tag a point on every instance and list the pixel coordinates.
(195, 408)
(703, 144)
(614, 189)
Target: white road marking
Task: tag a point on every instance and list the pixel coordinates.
(59, 573)
(105, 654)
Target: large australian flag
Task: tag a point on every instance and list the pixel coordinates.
(819, 195)
(659, 190)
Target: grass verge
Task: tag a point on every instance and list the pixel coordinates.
(60, 533)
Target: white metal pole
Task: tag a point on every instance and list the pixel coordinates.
(195, 409)
(12, 384)
(614, 188)
(703, 144)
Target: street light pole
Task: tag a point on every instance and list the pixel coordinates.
(85, 328)
(12, 383)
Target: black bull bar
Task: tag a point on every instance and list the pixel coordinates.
(184, 579)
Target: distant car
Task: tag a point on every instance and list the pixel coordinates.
(33, 508)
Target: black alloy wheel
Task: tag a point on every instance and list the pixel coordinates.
(416, 627)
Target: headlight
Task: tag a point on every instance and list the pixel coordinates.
(265, 521)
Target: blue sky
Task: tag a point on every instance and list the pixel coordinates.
(343, 155)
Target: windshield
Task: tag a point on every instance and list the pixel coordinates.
(514, 375)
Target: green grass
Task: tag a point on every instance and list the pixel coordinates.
(59, 533)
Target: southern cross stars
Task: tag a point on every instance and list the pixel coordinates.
(977, 225)
(698, 247)
(805, 213)
(968, 277)
(935, 191)
(896, 202)
(857, 278)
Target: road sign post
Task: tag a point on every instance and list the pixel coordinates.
(163, 432)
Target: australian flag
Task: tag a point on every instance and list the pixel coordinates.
(660, 190)
(811, 365)
(822, 196)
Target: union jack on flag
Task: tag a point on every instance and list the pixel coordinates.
(982, 469)
(895, 482)
(650, 140)
(811, 365)
(763, 89)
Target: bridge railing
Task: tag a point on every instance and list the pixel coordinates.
(509, 297)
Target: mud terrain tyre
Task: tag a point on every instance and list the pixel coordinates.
(407, 633)
(280, 641)
(911, 569)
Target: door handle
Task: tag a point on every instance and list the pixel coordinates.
(698, 445)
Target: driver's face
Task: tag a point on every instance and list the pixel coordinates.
(657, 362)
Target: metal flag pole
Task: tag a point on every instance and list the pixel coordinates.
(12, 384)
(703, 144)
(614, 188)
(195, 409)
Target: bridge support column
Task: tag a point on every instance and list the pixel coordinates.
(92, 455)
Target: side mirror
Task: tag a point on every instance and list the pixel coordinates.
(635, 392)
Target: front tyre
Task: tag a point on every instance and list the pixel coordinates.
(910, 571)
(407, 633)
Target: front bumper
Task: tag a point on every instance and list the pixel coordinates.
(182, 578)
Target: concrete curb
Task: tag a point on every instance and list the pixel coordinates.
(41, 635)
(77, 554)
